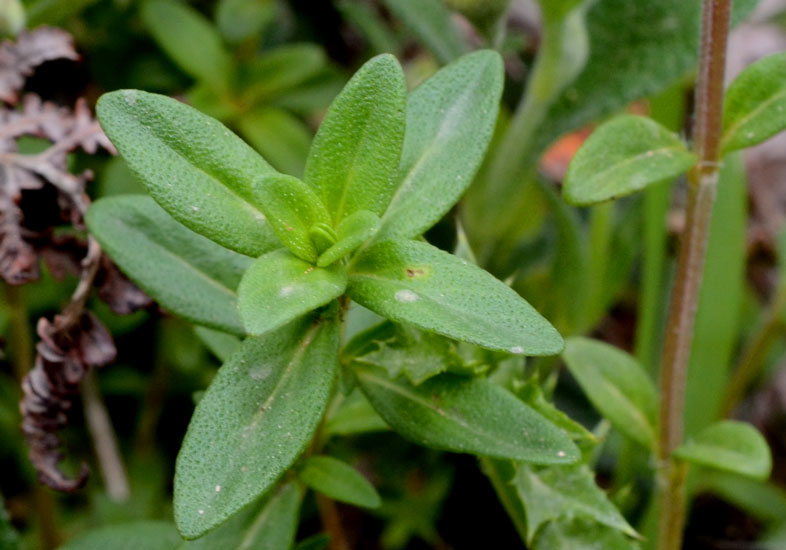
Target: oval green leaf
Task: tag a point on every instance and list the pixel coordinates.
(257, 416)
(292, 208)
(465, 415)
(450, 119)
(151, 535)
(279, 287)
(194, 167)
(416, 283)
(731, 446)
(617, 385)
(353, 231)
(189, 39)
(186, 273)
(623, 156)
(754, 108)
(270, 523)
(339, 481)
(356, 151)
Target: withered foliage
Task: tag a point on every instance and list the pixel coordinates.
(38, 193)
(61, 363)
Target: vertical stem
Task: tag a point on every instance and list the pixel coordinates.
(331, 521)
(99, 424)
(600, 229)
(702, 181)
(22, 360)
(21, 337)
(326, 507)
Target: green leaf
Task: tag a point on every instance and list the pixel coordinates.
(272, 75)
(754, 107)
(239, 20)
(194, 167)
(731, 446)
(377, 33)
(353, 416)
(189, 39)
(582, 534)
(623, 156)
(353, 231)
(553, 10)
(282, 138)
(256, 417)
(291, 208)
(186, 273)
(356, 151)
(532, 394)
(559, 493)
(719, 320)
(501, 474)
(269, 523)
(616, 385)
(763, 500)
(150, 535)
(465, 415)
(432, 23)
(279, 287)
(627, 60)
(416, 283)
(320, 541)
(339, 481)
(220, 344)
(400, 349)
(450, 120)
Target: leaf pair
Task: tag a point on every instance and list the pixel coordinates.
(631, 152)
(619, 388)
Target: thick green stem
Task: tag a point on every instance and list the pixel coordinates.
(562, 54)
(702, 181)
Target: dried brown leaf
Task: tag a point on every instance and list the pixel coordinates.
(68, 348)
(32, 48)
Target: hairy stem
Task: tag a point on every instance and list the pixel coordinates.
(702, 181)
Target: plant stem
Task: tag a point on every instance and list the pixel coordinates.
(22, 361)
(326, 507)
(99, 424)
(331, 521)
(702, 182)
(21, 337)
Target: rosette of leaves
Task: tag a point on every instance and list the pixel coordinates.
(263, 96)
(230, 243)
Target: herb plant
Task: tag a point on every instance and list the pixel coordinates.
(364, 289)
(274, 259)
